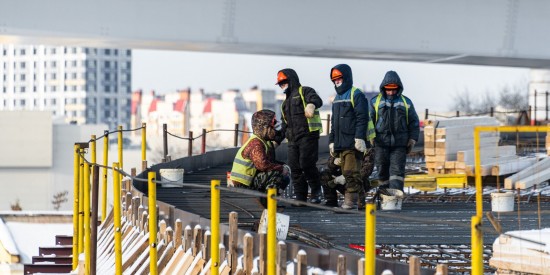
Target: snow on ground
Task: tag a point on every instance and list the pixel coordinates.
(7, 240)
(540, 236)
(28, 237)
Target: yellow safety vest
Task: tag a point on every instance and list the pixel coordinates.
(371, 133)
(404, 103)
(243, 170)
(313, 123)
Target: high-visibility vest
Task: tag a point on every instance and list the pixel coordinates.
(243, 170)
(379, 97)
(313, 123)
(371, 133)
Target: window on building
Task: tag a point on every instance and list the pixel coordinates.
(23, 89)
(107, 51)
(53, 64)
(22, 102)
(107, 102)
(107, 88)
(107, 64)
(53, 51)
(22, 77)
(22, 52)
(22, 65)
(34, 88)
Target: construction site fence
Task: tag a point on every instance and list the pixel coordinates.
(86, 207)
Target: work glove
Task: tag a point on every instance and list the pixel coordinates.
(331, 149)
(360, 145)
(310, 110)
(340, 180)
(410, 145)
(337, 161)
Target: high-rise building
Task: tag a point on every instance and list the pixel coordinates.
(77, 84)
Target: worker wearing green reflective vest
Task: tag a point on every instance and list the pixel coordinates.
(397, 130)
(255, 166)
(349, 134)
(301, 126)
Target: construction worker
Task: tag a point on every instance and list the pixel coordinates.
(255, 166)
(349, 134)
(301, 126)
(397, 130)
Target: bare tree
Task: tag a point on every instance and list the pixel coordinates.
(513, 99)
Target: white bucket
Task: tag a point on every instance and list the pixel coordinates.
(502, 202)
(392, 201)
(172, 177)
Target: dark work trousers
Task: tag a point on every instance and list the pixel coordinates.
(302, 159)
(391, 162)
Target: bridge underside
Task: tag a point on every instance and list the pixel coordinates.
(498, 33)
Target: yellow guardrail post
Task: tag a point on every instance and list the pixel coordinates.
(76, 177)
(120, 148)
(117, 217)
(143, 141)
(104, 182)
(81, 203)
(370, 239)
(87, 232)
(93, 149)
(271, 230)
(152, 188)
(477, 162)
(215, 226)
(477, 246)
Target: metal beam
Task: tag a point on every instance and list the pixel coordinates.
(490, 32)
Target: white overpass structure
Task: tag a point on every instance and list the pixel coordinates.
(490, 32)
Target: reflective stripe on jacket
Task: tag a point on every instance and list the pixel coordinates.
(243, 170)
(314, 123)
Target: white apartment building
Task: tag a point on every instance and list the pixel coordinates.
(77, 84)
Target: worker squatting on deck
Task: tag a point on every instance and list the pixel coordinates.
(254, 166)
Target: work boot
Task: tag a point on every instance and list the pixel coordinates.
(316, 195)
(361, 200)
(349, 201)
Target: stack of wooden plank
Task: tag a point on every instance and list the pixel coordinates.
(528, 177)
(449, 148)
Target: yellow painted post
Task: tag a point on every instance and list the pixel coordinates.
(120, 148)
(104, 183)
(76, 177)
(152, 223)
(93, 149)
(215, 226)
(81, 203)
(271, 231)
(477, 246)
(87, 232)
(117, 222)
(143, 141)
(479, 188)
(370, 239)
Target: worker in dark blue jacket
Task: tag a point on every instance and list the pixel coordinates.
(348, 133)
(397, 130)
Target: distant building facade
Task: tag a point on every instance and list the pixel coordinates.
(77, 84)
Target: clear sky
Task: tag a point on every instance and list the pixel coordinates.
(429, 86)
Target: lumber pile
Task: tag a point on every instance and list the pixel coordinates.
(526, 178)
(449, 148)
(518, 255)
